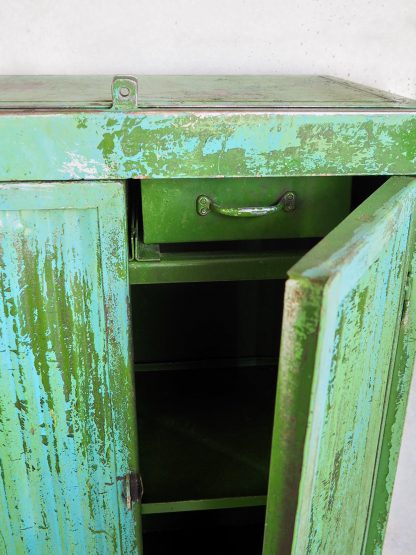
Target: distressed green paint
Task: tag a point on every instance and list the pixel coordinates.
(67, 428)
(67, 431)
(171, 144)
(359, 270)
(395, 417)
(298, 345)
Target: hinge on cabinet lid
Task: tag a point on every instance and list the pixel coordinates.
(133, 489)
(125, 92)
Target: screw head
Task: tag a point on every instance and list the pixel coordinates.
(203, 205)
(124, 92)
(289, 201)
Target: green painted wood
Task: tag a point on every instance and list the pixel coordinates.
(395, 416)
(164, 144)
(204, 504)
(300, 328)
(221, 266)
(85, 91)
(170, 215)
(342, 316)
(67, 423)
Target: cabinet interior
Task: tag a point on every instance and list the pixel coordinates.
(206, 358)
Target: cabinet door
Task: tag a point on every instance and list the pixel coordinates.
(67, 427)
(346, 358)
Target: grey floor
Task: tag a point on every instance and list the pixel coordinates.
(401, 528)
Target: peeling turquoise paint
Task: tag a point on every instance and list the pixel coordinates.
(396, 411)
(66, 432)
(162, 144)
(67, 428)
(362, 285)
(349, 358)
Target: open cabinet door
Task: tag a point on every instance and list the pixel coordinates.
(67, 426)
(346, 358)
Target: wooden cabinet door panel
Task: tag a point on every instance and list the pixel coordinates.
(67, 428)
(343, 332)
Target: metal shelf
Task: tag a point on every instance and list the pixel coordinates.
(221, 266)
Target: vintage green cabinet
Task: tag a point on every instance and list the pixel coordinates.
(207, 313)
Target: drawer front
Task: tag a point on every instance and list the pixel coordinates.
(170, 208)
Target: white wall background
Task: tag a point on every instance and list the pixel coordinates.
(370, 41)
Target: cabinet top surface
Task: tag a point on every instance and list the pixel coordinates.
(197, 91)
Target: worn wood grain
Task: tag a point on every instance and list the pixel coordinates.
(360, 270)
(67, 432)
(298, 345)
(73, 145)
(395, 413)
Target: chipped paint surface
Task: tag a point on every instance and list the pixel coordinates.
(396, 412)
(66, 431)
(360, 269)
(78, 165)
(164, 144)
(299, 335)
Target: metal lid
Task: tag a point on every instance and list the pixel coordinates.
(196, 91)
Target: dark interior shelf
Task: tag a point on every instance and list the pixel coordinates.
(205, 434)
(180, 322)
(206, 361)
(207, 532)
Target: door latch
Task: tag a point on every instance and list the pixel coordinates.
(133, 489)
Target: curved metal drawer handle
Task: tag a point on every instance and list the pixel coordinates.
(205, 205)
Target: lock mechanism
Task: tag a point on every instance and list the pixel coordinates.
(125, 92)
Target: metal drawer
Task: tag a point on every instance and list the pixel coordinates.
(193, 210)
